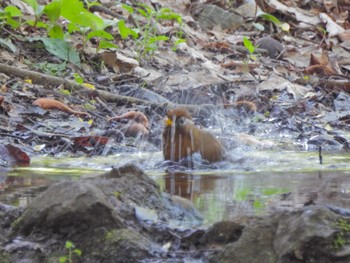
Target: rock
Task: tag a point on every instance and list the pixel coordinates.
(304, 234)
(223, 232)
(255, 244)
(311, 234)
(211, 16)
(66, 206)
(327, 142)
(273, 47)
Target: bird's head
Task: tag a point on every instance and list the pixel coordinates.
(178, 117)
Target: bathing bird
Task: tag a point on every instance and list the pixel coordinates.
(182, 138)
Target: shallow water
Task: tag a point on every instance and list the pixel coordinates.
(252, 183)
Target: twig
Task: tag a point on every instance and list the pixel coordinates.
(110, 111)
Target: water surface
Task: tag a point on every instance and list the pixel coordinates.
(252, 183)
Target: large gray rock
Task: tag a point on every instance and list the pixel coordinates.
(312, 234)
(66, 206)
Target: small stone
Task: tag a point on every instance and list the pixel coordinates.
(273, 47)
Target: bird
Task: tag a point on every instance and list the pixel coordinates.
(182, 138)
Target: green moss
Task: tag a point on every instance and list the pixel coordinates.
(4, 258)
(343, 225)
(343, 236)
(119, 235)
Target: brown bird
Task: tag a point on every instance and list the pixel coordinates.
(182, 138)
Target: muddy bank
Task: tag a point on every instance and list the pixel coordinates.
(122, 216)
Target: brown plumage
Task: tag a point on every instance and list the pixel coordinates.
(182, 138)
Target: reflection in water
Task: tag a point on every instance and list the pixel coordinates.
(20, 191)
(188, 185)
(226, 196)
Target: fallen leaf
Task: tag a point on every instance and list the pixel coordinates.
(46, 104)
(320, 65)
(136, 116)
(134, 129)
(90, 141)
(11, 155)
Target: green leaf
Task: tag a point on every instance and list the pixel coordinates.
(72, 28)
(90, 4)
(177, 42)
(13, 11)
(142, 12)
(74, 11)
(167, 14)
(157, 39)
(128, 8)
(126, 31)
(53, 11)
(63, 259)
(270, 18)
(69, 244)
(56, 32)
(106, 44)
(77, 252)
(100, 34)
(7, 43)
(248, 45)
(60, 49)
(38, 24)
(13, 23)
(79, 80)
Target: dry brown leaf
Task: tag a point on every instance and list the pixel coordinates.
(134, 129)
(136, 116)
(320, 65)
(46, 104)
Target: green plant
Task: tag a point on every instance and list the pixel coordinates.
(148, 38)
(250, 47)
(68, 258)
(11, 16)
(79, 20)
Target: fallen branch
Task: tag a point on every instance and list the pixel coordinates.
(37, 77)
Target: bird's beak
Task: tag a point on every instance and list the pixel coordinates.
(168, 122)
